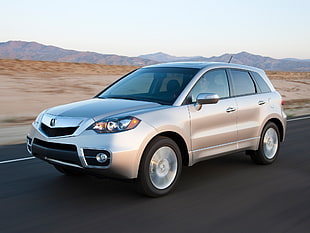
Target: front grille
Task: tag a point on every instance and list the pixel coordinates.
(56, 132)
(56, 146)
(61, 152)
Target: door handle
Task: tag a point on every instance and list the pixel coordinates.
(230, 109)
(261, 102)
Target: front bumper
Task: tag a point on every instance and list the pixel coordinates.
(122, 150)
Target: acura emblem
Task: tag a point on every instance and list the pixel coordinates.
(53, 122)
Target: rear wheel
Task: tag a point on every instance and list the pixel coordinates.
(160, 167)
(269, 145)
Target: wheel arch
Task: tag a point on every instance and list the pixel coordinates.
(179, 140)
(280, 126)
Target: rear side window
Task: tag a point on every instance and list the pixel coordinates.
(263, 86)
(242, 83)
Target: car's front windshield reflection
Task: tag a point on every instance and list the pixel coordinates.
(158, 84)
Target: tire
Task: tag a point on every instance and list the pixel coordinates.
(68, 171)
(269, 145)
(160, 167)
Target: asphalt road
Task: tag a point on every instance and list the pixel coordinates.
(227, 194)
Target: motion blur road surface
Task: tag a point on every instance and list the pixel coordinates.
(227, 194)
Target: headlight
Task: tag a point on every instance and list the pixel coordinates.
(115, 125)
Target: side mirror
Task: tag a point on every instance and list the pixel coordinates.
(206, 98)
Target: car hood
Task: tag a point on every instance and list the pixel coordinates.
(100, 108)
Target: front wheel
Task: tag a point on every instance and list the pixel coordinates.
(160, 167)
(269, 145)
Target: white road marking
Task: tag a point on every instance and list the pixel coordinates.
(299, 118)
(16, 160)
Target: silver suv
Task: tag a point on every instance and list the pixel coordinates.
(156, 119)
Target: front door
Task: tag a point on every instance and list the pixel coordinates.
(213, 127)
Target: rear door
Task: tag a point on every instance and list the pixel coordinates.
(252, 106)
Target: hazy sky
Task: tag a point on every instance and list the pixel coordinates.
(275, 28)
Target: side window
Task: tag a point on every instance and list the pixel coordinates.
(214, 81)
(263, 86)
(242, 83)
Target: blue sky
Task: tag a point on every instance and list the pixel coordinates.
(275, 28)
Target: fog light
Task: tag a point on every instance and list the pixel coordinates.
(101, 157)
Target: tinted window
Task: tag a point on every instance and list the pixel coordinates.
(134, 88)
(214, 81)
(242, 83)
(261, 83)
(161, 85)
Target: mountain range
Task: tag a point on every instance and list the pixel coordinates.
(243, 58)
(36, 51)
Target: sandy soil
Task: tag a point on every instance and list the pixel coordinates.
(28, 87)
(295, 90)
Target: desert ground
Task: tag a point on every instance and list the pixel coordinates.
(28, 87)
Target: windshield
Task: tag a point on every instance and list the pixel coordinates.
(158, 84)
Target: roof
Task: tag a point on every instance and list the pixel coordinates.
(203, 65)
